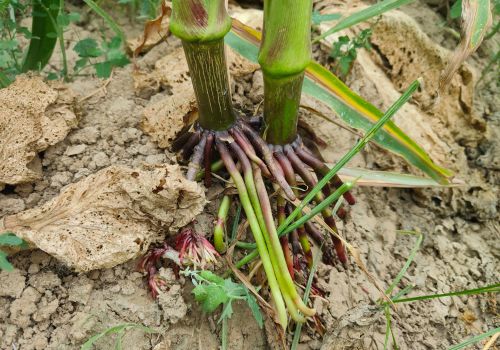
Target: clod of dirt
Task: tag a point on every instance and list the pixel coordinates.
(111, 216)
(171, 301)
(34, 116)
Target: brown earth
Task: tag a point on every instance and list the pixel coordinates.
(46, 305)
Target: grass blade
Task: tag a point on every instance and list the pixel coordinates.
(363, 15)
(347, 157)
(407, 264)
(44, 34)
(119, 329)
(494, 288)
(107, 18)
(475, 339)
(318, 208)
(321, 84)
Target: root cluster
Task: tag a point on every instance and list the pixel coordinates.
(241, 149)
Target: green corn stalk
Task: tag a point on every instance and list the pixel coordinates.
(284, 55)
(44, 31)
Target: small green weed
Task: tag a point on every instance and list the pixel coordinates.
(8, 239)
(212, 291)
(108, 54)
(119, 331)
(344, 51)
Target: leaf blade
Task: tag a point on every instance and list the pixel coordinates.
(352, 109)
(42, 44)
(363, 15)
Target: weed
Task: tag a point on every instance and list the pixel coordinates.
(345, 50)
(119, 331)
(8, 239)
(212, 291)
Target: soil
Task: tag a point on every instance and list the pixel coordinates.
(44, 304)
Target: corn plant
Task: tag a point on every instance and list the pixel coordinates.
(268, 153)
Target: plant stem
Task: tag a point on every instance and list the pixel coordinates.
(281, 106)
(284, 54)
(207, 66)
(202, 25)
(256, 231)
(219, 229)
(352, 152)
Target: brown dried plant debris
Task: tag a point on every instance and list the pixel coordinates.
(111, 216)
(34, 116)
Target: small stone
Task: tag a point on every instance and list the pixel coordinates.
(75, 150)
(11, 205)
(88, 135)
(12, 283)
(34, 268)
(24, 189)
(43, 281)
(61, 179)
(33, 199)
(155, 159)
(82, 173)
(131, 134)
(101, 159)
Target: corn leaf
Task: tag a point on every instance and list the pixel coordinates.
(374, 178)
(476, 19)
(44, 34)
(363, 15)
(321, 84)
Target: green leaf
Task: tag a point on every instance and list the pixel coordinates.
(88, 48)
(103, 69)
(321, 84)
(42, 43)
(215, 297)
(8, 44)
(255, 309)
(318, 18)
(52, 76)
(227, 312)
(456, 9)
(493, 288)
(74, 16)
(375, 178)
(212, 277)
(63, 20)
(200, 293)
(407, 264)
(79, 64)
(363, 15)
(4, 263)
(10, 239)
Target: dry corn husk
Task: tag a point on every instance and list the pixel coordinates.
(33, 116)
(111, 216)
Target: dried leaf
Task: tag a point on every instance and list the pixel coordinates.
(33, 117)
(111, 216)
(154, 31)
(476, 19)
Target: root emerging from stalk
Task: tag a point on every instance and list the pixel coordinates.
(249, 159)
(297, 159)
(199, 146)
